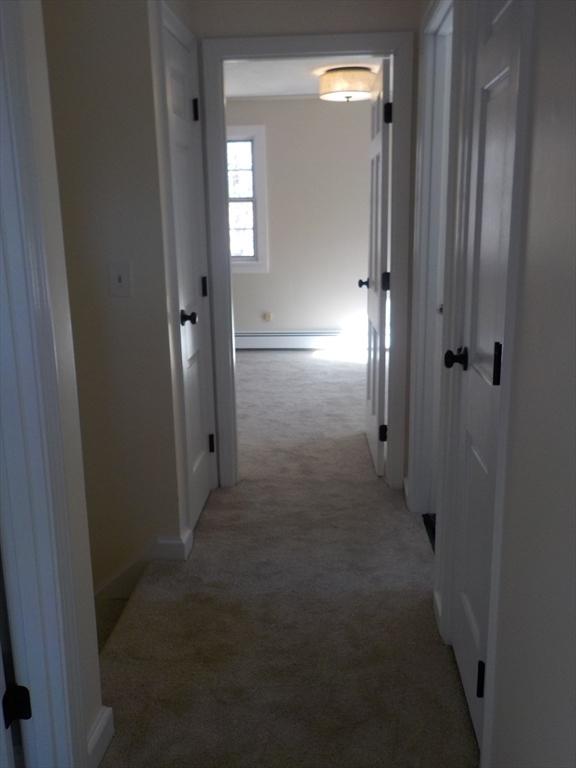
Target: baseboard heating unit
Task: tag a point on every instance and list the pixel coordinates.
(286, 340)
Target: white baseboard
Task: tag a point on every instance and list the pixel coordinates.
(407, 495)
(100, 736)
(120, 587)
(174, 547)
(414, 501)
(285, 339)
(440, 620)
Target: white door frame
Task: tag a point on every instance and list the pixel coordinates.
(214, 53)
(43, 530)
(463, 72)
(423, 464)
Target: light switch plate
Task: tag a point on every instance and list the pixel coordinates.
(120, 279)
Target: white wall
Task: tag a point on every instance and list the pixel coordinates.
(317, 163)
(215, 18)
(534, 719)
(100, 74)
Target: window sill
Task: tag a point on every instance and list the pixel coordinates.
(250, 267)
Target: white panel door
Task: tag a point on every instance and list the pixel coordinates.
(378, 264)
(490, 210)
(189, 242)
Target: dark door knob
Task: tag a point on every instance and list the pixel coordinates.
(188, 318)
(362, 283)
(460, 357)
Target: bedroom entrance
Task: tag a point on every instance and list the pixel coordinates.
(300, 237)
(306, 205)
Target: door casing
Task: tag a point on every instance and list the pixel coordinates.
(399, 46)
(454, 283)
(434, 215)
(43, 520)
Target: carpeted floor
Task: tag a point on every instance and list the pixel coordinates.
(300, 634)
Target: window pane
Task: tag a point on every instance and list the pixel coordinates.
(239, 155)
(241, 215)
(242, 243)
(240, 184)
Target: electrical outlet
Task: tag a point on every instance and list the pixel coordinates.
(267, 316)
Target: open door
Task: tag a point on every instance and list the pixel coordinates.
(378, 282)
(189, 273)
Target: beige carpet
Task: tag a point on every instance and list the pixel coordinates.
(301, 633)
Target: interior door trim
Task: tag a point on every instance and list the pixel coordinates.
(399, 45)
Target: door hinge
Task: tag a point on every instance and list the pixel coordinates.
(497, 364)
(195, 109)
(383, 433)
(480, 674)
(385, 281)
(16, 704)
(388, 112)
(204, 285)
(211, 443)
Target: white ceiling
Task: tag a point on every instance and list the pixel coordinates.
(256, 78)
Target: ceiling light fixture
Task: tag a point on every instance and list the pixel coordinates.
(346, 84)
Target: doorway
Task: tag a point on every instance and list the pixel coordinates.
(396, 47)
(299, 229)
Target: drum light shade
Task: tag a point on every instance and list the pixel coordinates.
(346, 84)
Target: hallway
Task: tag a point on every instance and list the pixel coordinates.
(300, 634)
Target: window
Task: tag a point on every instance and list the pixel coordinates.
(247, 210)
